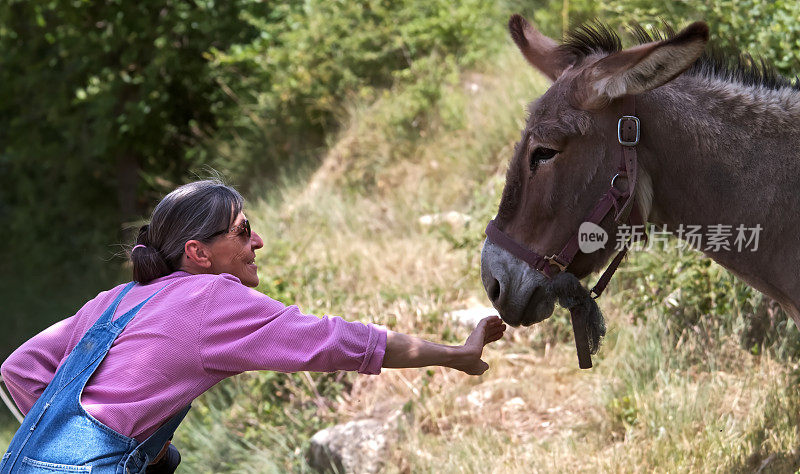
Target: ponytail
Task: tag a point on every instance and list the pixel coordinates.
(148, 263)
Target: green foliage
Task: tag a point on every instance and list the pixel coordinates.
(258, 422)
(666, 382)
(97, 94)
(311, 58)
(703, 300)
(247, 85)
(764, 28)
(623, 411)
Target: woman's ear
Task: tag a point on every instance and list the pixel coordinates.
(197, 254)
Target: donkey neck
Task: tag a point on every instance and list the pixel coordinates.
(722, 153)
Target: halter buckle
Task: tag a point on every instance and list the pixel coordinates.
(553, 260)
(635, 121)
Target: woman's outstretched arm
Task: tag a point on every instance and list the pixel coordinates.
(403, 351)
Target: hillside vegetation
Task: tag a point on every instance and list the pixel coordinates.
(677, 386)
(698, 373)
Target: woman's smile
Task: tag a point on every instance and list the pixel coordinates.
(234, 252)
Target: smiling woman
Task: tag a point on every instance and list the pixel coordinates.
(105, 389)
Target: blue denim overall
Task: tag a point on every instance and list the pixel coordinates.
(58, 435)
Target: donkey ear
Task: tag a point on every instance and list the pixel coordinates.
(538, 49)
(641, 68)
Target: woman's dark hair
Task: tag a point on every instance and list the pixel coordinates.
(193, 211)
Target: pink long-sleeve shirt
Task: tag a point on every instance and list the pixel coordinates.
(198, 330)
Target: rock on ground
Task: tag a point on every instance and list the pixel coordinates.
(357, 447)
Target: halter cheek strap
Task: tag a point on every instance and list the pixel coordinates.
(621, 201)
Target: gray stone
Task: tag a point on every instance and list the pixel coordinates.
(355, 447)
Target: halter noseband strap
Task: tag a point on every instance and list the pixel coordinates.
(622, 201)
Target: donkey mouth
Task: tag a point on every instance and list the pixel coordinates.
(540, 307)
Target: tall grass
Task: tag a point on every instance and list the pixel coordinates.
(674, 389)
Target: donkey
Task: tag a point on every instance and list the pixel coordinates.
(712, 144)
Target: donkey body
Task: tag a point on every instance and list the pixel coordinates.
(720, 145)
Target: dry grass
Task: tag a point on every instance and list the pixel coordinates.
(644, 408)
(534, 411)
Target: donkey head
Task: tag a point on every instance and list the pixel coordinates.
(567, 157)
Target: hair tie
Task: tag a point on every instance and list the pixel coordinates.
(137, 246)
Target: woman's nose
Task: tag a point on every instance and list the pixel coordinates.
(255, 241)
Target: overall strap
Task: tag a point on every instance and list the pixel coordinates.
(123, 320)
(79, 358)
(88, 342)
(105, 318)
(147, 451)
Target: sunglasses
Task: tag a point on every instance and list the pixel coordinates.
(243, 228)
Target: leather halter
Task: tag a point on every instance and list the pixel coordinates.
(626, 212)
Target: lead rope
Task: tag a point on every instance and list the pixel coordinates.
(10, 403)
(579, 330)
(588, 325)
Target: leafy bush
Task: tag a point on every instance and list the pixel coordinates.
(95, 94)
(764, 28)
(312, 58)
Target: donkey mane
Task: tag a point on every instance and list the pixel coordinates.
(596, 37)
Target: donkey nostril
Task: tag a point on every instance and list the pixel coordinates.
(494, 290)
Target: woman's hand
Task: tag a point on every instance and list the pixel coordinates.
(404, 351)
(469, 355)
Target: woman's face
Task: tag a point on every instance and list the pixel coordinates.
(234, 252)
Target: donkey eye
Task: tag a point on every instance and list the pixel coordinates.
(541, 154)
